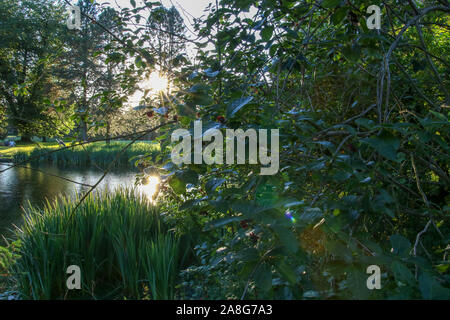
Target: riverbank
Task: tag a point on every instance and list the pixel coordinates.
(97, 153)
(7, 154)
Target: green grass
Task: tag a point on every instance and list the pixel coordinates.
(26, 149)
(95, 153)
(119, 240)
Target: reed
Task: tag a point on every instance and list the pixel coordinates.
(119, 240)
(95, 153)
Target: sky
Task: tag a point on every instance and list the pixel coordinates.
(188, 9)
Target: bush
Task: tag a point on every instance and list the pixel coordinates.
(120, 242)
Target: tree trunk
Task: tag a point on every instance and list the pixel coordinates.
(108, 133)
(83, 131)
(25, 138)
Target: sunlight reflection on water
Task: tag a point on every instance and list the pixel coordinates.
(151, 188)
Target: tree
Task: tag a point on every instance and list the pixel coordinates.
(30, 43)
(3, 123)
(165, 29)
(83, 68)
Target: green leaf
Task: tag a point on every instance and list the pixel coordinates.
(189, 204)
(222, 222)
(186, 110)
(198, 88)
(331, 3)
(287, 238)
(133, 3)
(266, 33)
(326, 144)
(247, 208)
(293, 203)
(402, 273)
(386, 144)
(252, 208)
(273, 50)
(213, 184)
(237, 105)
(248, 254)
(340, 250)
(366, 123)
(177, 185)
(440, 116)
(220, 205)
(339, 15)
(400, 245)
(352, 52)
(357, 284)
(310, 215)
(286, 271)
(442, 268)
(310, 294)
(431, 288)
(381, 201)
(263, 277)
(210, 73)
(187, 176)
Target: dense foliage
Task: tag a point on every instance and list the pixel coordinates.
(364, 142)
(364, 157)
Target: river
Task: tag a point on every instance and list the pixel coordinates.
(20, 187)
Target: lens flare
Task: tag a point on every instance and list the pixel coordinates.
(288, 214)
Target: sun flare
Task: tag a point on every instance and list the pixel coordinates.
(156, 82)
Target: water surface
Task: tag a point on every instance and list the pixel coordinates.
(20, 186)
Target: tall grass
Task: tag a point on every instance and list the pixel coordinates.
(98, 153)
(120, 242)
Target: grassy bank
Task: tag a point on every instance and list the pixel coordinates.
(26, 148)
(95, 153)
(120, 242)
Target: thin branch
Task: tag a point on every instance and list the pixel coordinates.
(417, 242)
(54, 175)
(424, 197)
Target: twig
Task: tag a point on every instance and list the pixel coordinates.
(54, 175)
(417, 242)
(424, 197)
